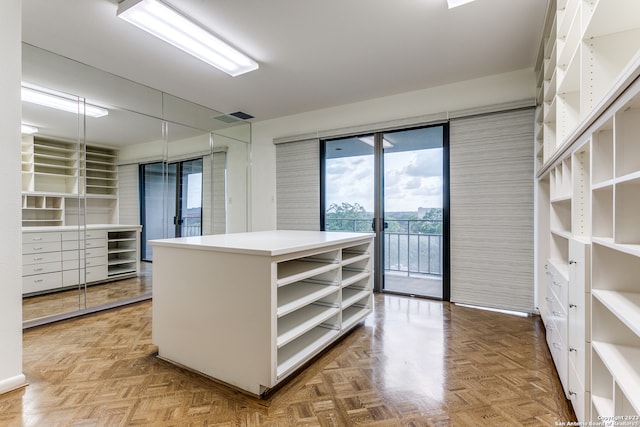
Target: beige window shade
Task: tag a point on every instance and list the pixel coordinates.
(128, 197)
(298, 185)
(492, 210)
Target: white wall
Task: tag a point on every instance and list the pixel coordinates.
(497, 89)
(10, 186)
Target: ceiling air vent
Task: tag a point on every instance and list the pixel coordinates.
(234, 117)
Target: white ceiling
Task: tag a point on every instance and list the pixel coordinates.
(313, 54)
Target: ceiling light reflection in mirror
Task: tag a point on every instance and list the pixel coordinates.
(60, 101)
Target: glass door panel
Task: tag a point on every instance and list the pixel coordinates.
(188, 218)
(413, 211)
(349, 184)
(152, 177)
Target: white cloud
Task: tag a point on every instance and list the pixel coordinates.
(412, 180)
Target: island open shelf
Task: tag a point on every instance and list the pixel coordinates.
(250, 309)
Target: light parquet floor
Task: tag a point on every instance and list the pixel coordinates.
(414, 362)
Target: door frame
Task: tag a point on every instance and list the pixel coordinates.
(378, 220)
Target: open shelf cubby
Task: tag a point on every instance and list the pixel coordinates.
(602, 212)
(602, 153)
(561, 216)
(627, 140)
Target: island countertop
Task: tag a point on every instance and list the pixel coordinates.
(267, 243)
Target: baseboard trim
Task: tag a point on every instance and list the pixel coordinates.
(12, 383)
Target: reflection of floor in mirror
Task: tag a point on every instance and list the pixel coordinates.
(71, 300)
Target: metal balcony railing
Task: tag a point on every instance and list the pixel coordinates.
(413, 246)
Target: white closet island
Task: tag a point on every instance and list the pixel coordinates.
(249, 309)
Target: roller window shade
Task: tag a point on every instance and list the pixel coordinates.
(128, 197)
(214, 194)
(492, 210)
(298, 185)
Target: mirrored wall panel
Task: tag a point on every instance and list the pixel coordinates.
(109, 164)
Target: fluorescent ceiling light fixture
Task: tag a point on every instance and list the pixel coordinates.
(168, 24)
(28, 129)
(456, 3)
(60, 101)
(369, 141)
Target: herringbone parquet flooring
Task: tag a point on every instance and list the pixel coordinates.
(413, 363)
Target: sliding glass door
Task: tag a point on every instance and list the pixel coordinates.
(185, 182)
(413, 194)
(395, 184)
(171, 196)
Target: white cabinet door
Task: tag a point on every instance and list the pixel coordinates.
(578, 313)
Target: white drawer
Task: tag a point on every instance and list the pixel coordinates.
(41, 282)
(97, 273)
(75, 276)
(71, 264)
(559, 285)
(95, 234)
(72, 277)
(36, 248)
(70, 245)
(580, 399)
(96, 261)
(578, 320)
(41, 258)
(96, 252)
(83, 235)
(561, 321)
(45, 267)
(76, 254)
(40, 237)
(72, 255)
(558, 351)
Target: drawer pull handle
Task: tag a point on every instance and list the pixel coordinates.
(38, 249)
(572, 262)
(572, 306)
(573, 349)
(549, 299)
(572, 393)
(557, 313)
(557, 346)
(556, 283)
(38, 259)
(36, 239)
(38, 269)
(38, 281)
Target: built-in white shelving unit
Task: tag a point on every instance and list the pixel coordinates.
(61, 181)
(273, 300)
(70, 201)
(123, 251)
(55, 258)
(588, 160)
(101, 171)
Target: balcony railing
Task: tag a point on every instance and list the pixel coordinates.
(413, 246)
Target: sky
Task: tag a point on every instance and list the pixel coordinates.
(413, 179)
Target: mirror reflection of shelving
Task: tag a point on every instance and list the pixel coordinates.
(40, 210)
(53, 174)
(100, 169)
(122, 253)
